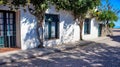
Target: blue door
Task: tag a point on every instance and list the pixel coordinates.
(1, 30)
(99, 30)
(7, 29)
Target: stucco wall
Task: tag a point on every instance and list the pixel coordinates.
(2, 7)
(28, 30)
(93, 31)
(68, 31)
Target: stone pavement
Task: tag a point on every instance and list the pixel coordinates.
(13, 56)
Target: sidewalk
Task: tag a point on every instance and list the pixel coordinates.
(13, 56)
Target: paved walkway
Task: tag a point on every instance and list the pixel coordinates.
(21, 54)
(100, 53)
(13, 56)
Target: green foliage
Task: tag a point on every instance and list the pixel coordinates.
(19, 2)
(39, 5)
(111, 24)
(77, 7)
(107, 15)
(3, 2)
(106, 12)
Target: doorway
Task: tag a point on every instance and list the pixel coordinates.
(7, 29)
(99, 30)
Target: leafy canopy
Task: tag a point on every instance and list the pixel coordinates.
(39, 5)
(106, 12)
(77, 7)
(107, 15)
(111, 24)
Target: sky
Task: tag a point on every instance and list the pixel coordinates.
(116, 4)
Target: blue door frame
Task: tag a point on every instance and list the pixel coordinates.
(7, 29)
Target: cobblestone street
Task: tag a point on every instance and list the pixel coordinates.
(104, 53)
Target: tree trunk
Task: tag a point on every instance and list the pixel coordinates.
(106, 30)
(39, 16)
(81, 29)
(103, 30)
(40, 37)
(110, 32)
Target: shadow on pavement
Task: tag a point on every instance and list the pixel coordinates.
(116, 30)
(93, 55)
(115, 38)
(116, 35)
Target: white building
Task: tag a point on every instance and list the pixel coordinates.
(19, 28)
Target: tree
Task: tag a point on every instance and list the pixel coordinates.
(107, 15)
(38, 10)
(78, 8)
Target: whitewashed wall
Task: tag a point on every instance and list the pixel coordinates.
(4, 7)
(93, 31)
(28, 30)
(68, 31)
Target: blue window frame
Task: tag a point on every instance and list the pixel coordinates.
(87, 26)
(51, 26)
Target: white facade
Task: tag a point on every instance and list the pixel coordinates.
(68, 29)
(28, 30)
(93, 30)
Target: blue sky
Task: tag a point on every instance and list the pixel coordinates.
(116, 4)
